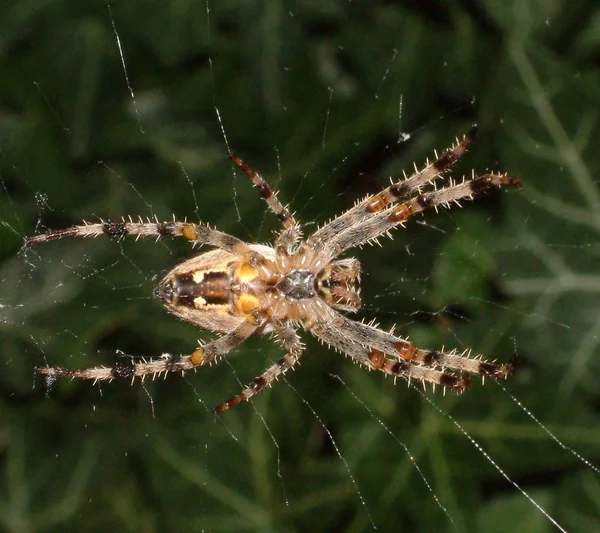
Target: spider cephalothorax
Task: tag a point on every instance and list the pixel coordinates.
(241, 289)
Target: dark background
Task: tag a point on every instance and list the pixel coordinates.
(310, 96)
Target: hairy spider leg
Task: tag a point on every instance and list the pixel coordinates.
(291, 342)
(203, 355)
(290, 234)
(261, 382)
(398, 190)
(369, 345)
(268, 195)
(383, 221)
(197, 233)
(375, 359)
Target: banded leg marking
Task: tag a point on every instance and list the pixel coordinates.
(406, 370)
(290, 235)
(389, 218)
(268, 195)
(386, 352)
(375, 359)
(198, 233)
(261, 382)
(155, 367)
(396, 191)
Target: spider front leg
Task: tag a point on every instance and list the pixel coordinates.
(395, 192)
(197, 233)
(388, 219)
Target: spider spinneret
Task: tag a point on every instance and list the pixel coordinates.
(240, 289)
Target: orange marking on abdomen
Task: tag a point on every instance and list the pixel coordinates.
(245, 303)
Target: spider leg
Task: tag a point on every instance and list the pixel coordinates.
(374, 359)
(263, 188)
(291, 341)
(369, 346)
(203, 355)
(261, 382)
(197, 233)
(290, 234)
(387, 219)
(396, 191)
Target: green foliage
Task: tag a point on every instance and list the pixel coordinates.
(326, 100)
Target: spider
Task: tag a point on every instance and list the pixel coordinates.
(239, 289)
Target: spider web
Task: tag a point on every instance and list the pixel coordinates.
(112, 111)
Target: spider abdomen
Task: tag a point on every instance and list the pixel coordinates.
(198, 288)
(212, 290)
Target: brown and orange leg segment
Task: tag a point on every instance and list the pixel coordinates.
(260, 383)
(406, 370)
(382, 222)
(197, 233)
(211, 351)
(393, 364)
(345, 333)
(155, 367)
(444, 197)
(402, 189)
(268, 195)
(464, 363)
(396, 191)
(406, 352)
(289, 237)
